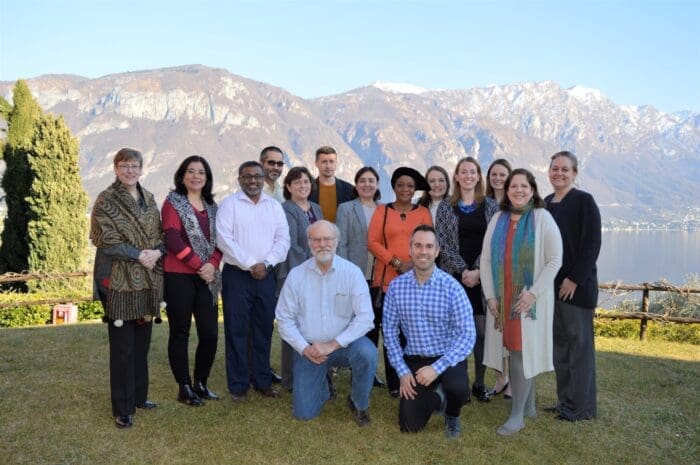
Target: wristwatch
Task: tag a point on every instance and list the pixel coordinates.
(268, 267)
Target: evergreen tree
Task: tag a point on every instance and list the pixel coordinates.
(14, 250)
(58, 223)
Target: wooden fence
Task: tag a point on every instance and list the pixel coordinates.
(643, 315)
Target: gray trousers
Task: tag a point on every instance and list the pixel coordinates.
(574, 361)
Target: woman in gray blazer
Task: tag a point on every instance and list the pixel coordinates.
(300, 212)
(353, 219)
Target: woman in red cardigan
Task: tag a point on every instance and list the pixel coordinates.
(192, 278)
(389, 236)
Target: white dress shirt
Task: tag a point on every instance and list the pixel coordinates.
(317, 307)
(249, 233)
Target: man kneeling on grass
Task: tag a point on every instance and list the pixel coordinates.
(435, 316)
(324, 312)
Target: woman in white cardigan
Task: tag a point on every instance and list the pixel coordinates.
(521, 255)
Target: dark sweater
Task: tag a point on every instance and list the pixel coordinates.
(578, 218)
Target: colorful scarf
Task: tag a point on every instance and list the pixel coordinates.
(522, 258)
(200, 245)
(117, 218)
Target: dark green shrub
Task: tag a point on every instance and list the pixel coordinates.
(629, 329)
(90, 310)
(25, 316)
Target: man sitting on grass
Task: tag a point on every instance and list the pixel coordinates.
(435, 315)
(324, 312)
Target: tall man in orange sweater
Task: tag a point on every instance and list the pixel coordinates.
(327, 190)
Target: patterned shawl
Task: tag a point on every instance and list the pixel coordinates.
(202, 247)
(522, 259)
(117, 218)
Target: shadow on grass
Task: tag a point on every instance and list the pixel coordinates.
(54, 404)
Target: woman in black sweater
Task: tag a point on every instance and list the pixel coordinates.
(576, 287)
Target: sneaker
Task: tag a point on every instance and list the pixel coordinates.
(453, 427)
(361, 416)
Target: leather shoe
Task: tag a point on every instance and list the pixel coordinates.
(276, 379)
(361, 416)
(147, 405)
(268, 392)
(332, 390)
(394, 393)
(378, 383)
(482, 395)
(203, 391)
(188, 397)
(552, 409)
(123, 421)
(239, 397)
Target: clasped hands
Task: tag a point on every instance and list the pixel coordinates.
(258, 271)
(318, 352)
(471, 278)
(424, 376)
(149, 257)
(524, 303)
(207, 272)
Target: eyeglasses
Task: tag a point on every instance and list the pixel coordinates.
(129, 166)
(251, 177)
(278, 164)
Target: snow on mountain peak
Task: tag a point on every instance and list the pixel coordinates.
(399, 87)
(585, 93)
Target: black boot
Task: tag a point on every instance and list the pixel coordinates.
(188, 397)
(201, 389)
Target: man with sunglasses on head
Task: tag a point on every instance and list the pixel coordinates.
(272, 160)
(253, 234)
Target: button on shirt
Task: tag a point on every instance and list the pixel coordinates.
(317, 307)
(249, 233)
(436, 318)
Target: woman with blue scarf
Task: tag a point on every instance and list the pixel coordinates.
(521, 255)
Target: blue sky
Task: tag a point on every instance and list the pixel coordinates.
(640, 52)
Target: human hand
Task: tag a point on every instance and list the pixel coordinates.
(567, 289)
(404, 267)
(258, 271)
(471, 278)
(407, 387)
(207, 272)
(525, 301)
(311, 352)
(492, 305)
(426, 375)
(149, 257)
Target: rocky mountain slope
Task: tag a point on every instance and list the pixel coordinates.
(639, 162)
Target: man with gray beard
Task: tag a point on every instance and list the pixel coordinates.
(324, 312)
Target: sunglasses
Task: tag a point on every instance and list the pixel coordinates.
(278, 164)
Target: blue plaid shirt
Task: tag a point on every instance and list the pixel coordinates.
(435, 317)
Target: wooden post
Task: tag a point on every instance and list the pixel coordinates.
(645, 309)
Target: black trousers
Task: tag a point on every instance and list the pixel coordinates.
(187, 295)
(414, 414)
(128, 364)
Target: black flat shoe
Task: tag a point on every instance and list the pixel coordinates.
(188, 397)
(147, 405)
(481, 394)
(378, 383)
(203, 391)
(394, 393)
(124, 421)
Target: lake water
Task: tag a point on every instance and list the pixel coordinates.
(647, 256)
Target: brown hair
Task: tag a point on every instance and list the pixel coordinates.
(478, 189)
(425, 198)
(128, 155)
(294, 173)
(500, 161)
(536, 199)
(566, 154)
(325, 150)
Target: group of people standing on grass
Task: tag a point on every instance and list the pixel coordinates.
(490, 268)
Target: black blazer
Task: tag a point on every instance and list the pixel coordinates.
(578, 218)
(344, 191)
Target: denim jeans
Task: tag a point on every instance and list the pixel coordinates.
(311, 387)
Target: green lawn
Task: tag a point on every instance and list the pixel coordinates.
(55, 409)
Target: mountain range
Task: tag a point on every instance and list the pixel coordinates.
(641, 164)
